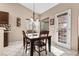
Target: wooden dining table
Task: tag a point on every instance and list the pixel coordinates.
(35, 38)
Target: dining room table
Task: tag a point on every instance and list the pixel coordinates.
(34, 38)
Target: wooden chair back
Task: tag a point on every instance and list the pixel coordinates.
(44, 33)
(25, 38)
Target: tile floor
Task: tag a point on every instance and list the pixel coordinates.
(16, 49)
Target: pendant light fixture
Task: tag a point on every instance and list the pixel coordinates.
(34, 11)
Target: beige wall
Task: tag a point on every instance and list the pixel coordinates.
(74, 18)
(15, 10)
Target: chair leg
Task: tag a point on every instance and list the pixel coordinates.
(45, 49)
(24, 43)
(39, 51)
(23, 46)
(26, 48)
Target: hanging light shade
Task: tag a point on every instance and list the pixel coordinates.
(31, 19)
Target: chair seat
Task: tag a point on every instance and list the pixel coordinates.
(39, 44)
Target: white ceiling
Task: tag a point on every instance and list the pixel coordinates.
(39, 7)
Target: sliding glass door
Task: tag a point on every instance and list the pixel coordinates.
(63, 28)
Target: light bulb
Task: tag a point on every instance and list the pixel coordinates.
(31, 19)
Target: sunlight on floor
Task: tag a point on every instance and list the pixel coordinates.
(57, 51)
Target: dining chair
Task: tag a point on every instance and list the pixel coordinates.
(42, 43)
(26, 41)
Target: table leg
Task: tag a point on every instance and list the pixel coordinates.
(49, 44)
(32, 45)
